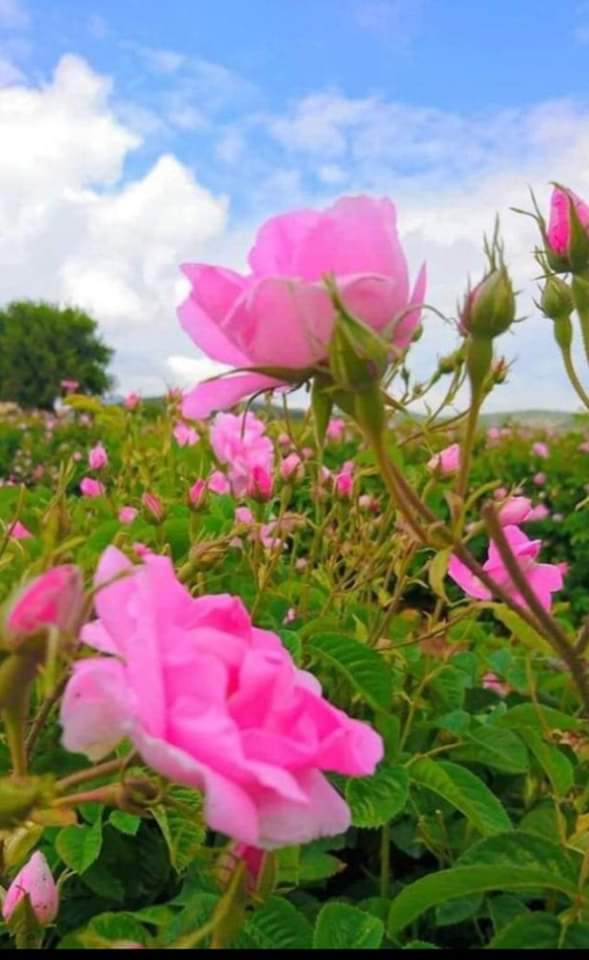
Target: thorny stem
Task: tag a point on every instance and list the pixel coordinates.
(101, 770)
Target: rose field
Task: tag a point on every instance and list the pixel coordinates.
(304, 674)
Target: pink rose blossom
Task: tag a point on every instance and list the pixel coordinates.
(212, 702)
(559, 233)
(492, 682)
(36, 881)
(543, 578)
(53, 599)
(127, 514)
(301, 564)
(18, 531)
(539, 512)
(142, 550)
(154, 505)
(244, 515)
(343, 482)
(260, 484)
(98, 457)
(335, 429)
(368, 502)
(281, 314)
(447, 461)
(292, 467)
(241, 444)
(197, 493)
(539, 479)
(493, 434)
(91, 488)
(185, 436)
(218, 483)
(77, 456)
(284, 440)
(541, 449)
(70, 386)
(131, 401)
(500, 493)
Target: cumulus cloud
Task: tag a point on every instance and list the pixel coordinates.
(73, 229)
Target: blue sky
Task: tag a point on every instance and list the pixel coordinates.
(179, 125)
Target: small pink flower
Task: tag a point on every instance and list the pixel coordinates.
(541, 449)
(260, 484)
(197, 493)
(131, 401)
(92, 488)
(36, 881)
(142, 550)
(343, 482)
(447, 461)
(335, 429)
(492, 682)
(584, 447)
(185, 436)
(70, 386)
(39, 472)
(543, 578)
(244, 515)
(85, 420)
(539, 479)
(284, 440)
(301, 564)
(53, 599)
(500, 493)
(18, 531)
(307, 453)
(218, 483)
(155, 506)
(127, 514)
(493, 434)
(368, 502)
(559, 235)
(77, 456)
(290, 615)
(292, 466)
(240, 443)
(98, 457)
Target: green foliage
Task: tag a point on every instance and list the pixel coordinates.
(41, 345)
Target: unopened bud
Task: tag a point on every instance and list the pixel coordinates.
(557, 298)
(489, 309)
(358, 357)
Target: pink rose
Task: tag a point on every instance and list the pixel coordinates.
(559, 235)
(184, 435)
(91, 488)
(53, 599)
(280, 314)
(127, 514)
(343, 482)
(218, 483)
(335, 429)
(131, 401)
(244, 515)
(240, 443)
(446, 461)
(543, 578)
(539, 479)
(70, 386)
(36, 881)
(492, 682)
(540, 449)
(154, 505)
(98, 457)
(197, 493)
(292, 467)
(214, 703)
(18, 531)
(260, 484)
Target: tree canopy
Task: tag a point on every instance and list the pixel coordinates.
(42, 344)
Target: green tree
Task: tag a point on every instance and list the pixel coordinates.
(42, 344)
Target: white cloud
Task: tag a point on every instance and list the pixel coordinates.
(13, 14)
(9, 73)
(72, 229)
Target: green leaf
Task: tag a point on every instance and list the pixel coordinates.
(557, 767)
(504, 908)
(443, 885)
(523, 850)
(437, 570)
(112, 928)
(279, 926)
(496, 748)
(362, 667)
(79, 847)
(127, 823)
(341, 927)
(457, 910)
(447, 689)
(376, 800)
(519, 628)
(529, 931)
(183, 827)
(463, 790)
(539, 717)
